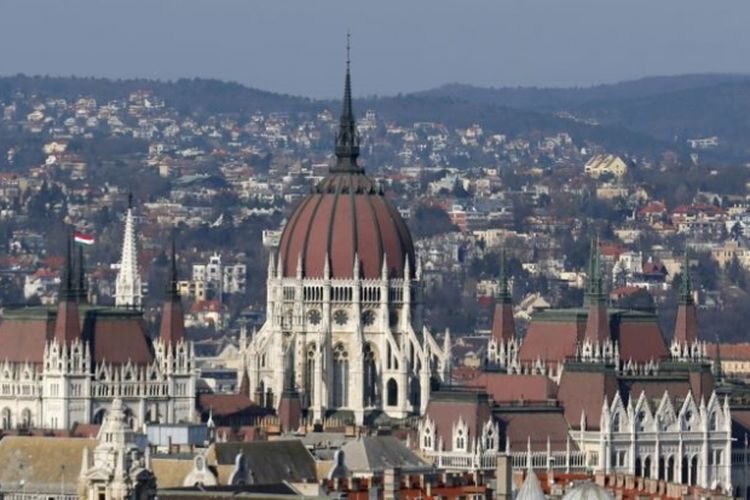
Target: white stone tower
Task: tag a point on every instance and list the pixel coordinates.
(128, 290)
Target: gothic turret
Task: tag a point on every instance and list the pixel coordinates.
(290, 405)
(128, 291)
(172, 328)
(503, 324)
(67, 323)
(597, 322)
(686, 325)
(347, 137)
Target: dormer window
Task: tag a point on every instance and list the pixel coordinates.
(460, 440)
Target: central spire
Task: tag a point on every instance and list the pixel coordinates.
(347, 138)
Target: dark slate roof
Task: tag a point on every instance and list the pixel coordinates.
(271, 461)
(378, 453)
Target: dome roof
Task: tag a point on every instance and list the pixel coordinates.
(346, 215)
(588, 491)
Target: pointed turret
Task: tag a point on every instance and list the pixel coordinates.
(597, 321)
(290, 405)
(503, 323)
(172, 328)
(67, 322)
(128, 290)
(347, 137)
(244, 388)
(686, 325)
(81, 289)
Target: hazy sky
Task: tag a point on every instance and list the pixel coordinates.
(397, 45)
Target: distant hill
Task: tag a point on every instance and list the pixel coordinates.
(642, 116)
(672, 109)
(547, 99)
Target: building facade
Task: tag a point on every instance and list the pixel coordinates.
(344, 294)
(66, 366)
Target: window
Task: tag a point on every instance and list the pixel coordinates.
(340, 376)
(392, 390)
(368, 317)
(460, 440)
(427, 439)
(340, 317)
(313, 316)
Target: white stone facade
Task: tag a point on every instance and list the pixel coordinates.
(128, 286)
(360, 344)
(68, 388)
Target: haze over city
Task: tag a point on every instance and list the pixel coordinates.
(399, 46)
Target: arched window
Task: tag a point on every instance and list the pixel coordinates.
(670, 469)
(371, 376)
(640, 421)
(427, 439)
(616, 422)
(460, 439)
(694, 470)
(392, 390)
(647, 467)
(340, 376)
(414, 392)
(489, 438)
(7, 422)
(26, 418)
(712, 421)
(309, 374)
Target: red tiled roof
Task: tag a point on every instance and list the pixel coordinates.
(519, 426)
(446, 409)
(223, 405)
(120, 339)
(584, 391)
(347, 215)
(641, 341)
(733, 352)
(23, 339)
(503, 387)
(551, 340)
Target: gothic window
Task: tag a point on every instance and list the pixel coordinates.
(313, 316)
(414, 396)
(340, 317)
(368, 317)
(392, 390)
(489, 439)
(427, 439)
(712, 421)
(460, 439)
(370, 378)
(640, 420)
(689, 420)
(309, 372)
(393, 319)
(340, 376)
(26, 418)
(616, 423)
(6, 418)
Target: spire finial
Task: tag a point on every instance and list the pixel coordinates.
(347, 138)
(130, 200)
(66, 288)
(504, 288)
(348, 50)
(172, 285)
(686, 287)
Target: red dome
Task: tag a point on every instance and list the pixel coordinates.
(347, 214)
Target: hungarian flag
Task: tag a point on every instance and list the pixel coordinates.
(83, 239)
